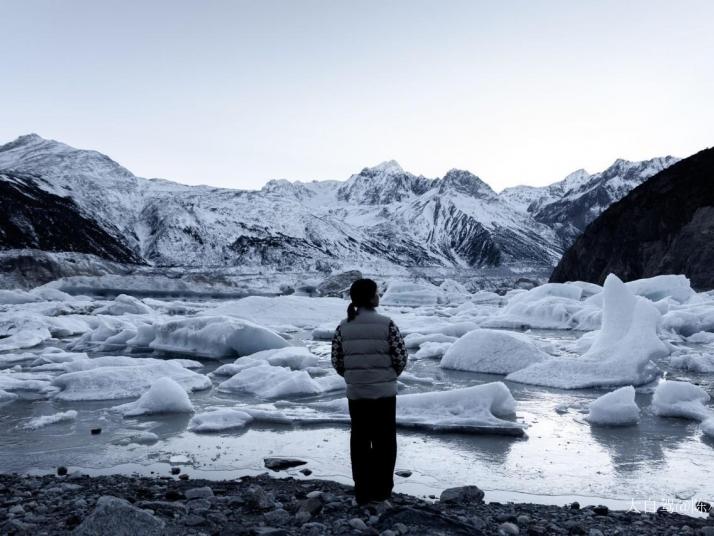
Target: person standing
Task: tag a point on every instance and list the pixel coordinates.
(369, 352)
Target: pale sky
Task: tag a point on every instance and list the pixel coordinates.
(233, 93)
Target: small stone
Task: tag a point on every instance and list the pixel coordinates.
(575, 505)
(218, 518)
(314, 529)
(401, 528)
(302, 516)
(357, 524)
(193, 520)
(314, 494)
(388, 532)
(117, 516)
(601, 510)
(175, 470)
(278, 464)
(595, 532)
(404, 473)
(17, 510)
(462, 494)
(174, 495)
(523, 519)
(508, 528)
(277, 517)
(311, 505)
(575, 528)
(61, 471)
(199, 493)
(183, 476)
(96, 431)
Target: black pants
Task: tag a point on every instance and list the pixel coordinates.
(373, 447)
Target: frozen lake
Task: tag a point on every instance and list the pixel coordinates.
(560, 458)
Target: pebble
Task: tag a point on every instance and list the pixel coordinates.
(404, 474)
(199, 493)
(357, 524)
(508, 528)
(61, 471)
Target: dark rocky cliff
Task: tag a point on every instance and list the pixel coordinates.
(665, 225)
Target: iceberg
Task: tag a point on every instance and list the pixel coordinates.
(616, 408)
(164, 396)
(621, 354)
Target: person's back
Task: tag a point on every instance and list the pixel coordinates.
(368, 350)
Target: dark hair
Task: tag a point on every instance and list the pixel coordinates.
(362, 293)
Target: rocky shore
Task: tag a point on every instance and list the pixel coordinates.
(121, 505)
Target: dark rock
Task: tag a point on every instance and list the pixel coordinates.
(404, 474)
(175, 470)
(306, 471)
(61, 471)
(199, 493)
(96, 431)
(575, 505)
(601, 510)
(174, 495)
(465, 494)
(183, 476)
(278, 464)
(117, 517)
(664, 226)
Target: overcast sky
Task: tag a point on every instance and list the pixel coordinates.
(233, 93)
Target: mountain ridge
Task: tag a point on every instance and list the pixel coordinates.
(380, 217)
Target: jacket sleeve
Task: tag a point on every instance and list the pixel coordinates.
(338, 353)
(397, 348)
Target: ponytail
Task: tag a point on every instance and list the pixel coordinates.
(362, 293)
(351, 312)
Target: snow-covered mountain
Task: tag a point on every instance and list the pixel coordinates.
(380, 218)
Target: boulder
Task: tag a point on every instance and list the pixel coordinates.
(117, 517)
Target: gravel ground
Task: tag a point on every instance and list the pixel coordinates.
(122, 505)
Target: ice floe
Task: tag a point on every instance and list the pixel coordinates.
(492, 351)
(46, 420)
(616, 408)
(681, 399)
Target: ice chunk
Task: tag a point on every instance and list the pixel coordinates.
(707, 427)
(476, 409)
(25, 334)
(411, 294)
(694, 362)
(16, 297)
(415, 340)
(492, 351)
(295, 357)
(215, 337)
(681, 399)
(656, 288)
(125, 304)
(299, 311)
(114, 382)
(6, 396)
(550, 306)
(218, 420)
(432, 350)
(701, 337)
(616, 408)
(164, 396)
(267, 381)
(45, 420)
(621, 354)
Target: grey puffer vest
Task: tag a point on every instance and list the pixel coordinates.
(368, 362)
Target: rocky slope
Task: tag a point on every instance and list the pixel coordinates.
(666, 225)
(381, 219)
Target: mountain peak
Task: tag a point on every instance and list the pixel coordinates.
(388, 167)
(465, 182)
